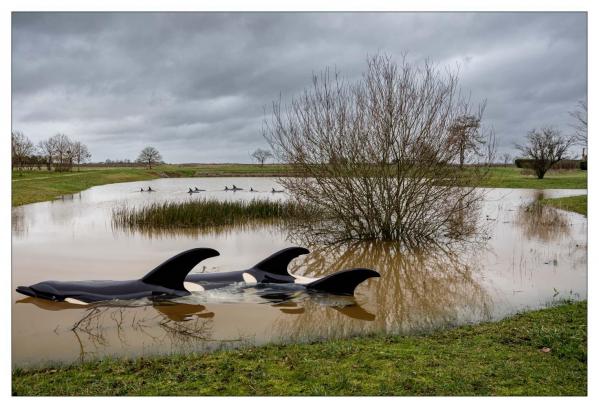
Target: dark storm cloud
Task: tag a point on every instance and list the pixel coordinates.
(195, 85)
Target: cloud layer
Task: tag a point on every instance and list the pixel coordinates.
(196, 85)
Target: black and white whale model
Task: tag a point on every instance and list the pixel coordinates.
(164, 281)
(274, 270)
(171, 279)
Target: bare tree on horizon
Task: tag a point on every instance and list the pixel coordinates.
(46, 150)
(63, 152)
(506, 157)
(466, 133)
(150, 156)
(80, 153)
(546, 147)
(261, 155)
(21, 149)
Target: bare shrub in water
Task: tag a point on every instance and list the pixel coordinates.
(380, 157)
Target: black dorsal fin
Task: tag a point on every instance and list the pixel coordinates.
(343, 282)
(277, 263)
(173, 271)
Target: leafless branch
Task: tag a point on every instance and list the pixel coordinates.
(394, 156)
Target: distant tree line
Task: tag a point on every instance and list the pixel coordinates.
(564, 164)
(58, 153)
(112, 162)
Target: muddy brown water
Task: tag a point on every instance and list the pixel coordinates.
(530, 259)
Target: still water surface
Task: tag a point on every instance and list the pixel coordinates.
(528, 261)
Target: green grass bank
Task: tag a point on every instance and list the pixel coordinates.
(513, 177)
(574, 203)
(34, 186)
(497, 358)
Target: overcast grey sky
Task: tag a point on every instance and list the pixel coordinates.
(195, 85)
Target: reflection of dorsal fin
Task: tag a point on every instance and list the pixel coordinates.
(173, 271)
(343, 282)
(277, 263)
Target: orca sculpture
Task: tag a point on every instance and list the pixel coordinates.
(274, 270)
(172, 279)
(164, 281)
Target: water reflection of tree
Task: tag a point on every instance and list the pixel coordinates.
(417, 291)
(18, 222)
(170, 328)
(538, 221)
(174, 325)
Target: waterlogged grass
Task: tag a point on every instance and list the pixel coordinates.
(575, 203)
(535, 353)
(205, 213)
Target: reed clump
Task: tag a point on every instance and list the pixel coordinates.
(207, 213)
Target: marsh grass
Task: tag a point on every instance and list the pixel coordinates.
(207, 213)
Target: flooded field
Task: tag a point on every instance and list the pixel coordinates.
(529, 259)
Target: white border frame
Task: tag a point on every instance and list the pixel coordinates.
(9, 6)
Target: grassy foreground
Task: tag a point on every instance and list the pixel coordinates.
(34, 186)
(575, 203)
(500, 358)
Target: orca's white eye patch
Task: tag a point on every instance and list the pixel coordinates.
(249, 278)
(75, 301)
(193, 287)
(303, 280)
